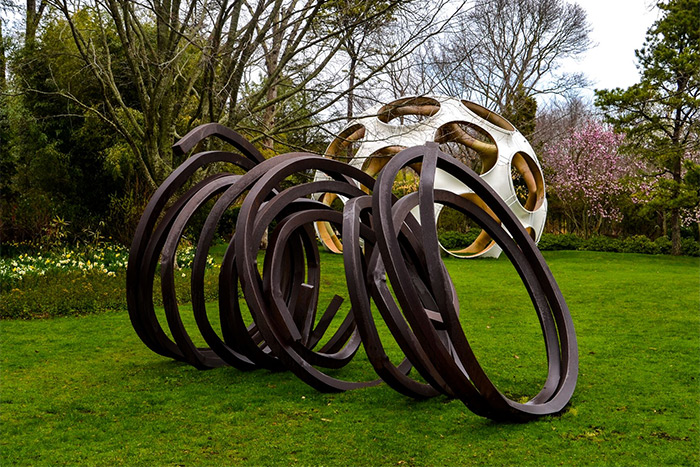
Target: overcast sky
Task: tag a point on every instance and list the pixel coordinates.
(618, 28)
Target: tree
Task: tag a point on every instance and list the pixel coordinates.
(558, 118)
(102, 88)
(374, 18)
(587, 176)
(521, 111)
(505, 51)
(3, 74)
(55, 155)
(232, 62)
(8, 9)
(660, 113)
(34, 13)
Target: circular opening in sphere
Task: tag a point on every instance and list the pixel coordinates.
(469, 144)
(409, 110)
(345, 145)
(378, 159)
(459, 235)
(489, 116)
(527, 181)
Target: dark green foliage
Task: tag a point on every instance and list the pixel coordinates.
(12, 249)
(601, 243)
(57, 158)
(633, 244)
(521, 110)
(560, 242)
(227, 224)
(452, 240)
(690, 247)
(61, 293)
(640, 244)
(7, 165)
(664, 246)
(124, 213)
(452, 220)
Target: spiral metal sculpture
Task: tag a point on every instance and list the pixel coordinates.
(383, 242)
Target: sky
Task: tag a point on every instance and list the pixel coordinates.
(618, 28)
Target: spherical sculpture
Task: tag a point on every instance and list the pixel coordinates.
(482, 139)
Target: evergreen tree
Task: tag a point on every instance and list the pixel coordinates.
(521, 111)
(660, 113)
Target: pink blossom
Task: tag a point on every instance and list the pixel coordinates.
(587, 173)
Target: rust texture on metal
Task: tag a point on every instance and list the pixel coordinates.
(384, 244)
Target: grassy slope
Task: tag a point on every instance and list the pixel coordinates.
(86, 390)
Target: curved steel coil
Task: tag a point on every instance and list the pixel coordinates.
(383, 242)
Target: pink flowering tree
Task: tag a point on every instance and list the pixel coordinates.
(588, 177)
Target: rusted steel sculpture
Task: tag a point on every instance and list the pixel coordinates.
(383, 242)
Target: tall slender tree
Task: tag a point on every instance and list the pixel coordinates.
(34, 13)
(3, 75)
(660, 113)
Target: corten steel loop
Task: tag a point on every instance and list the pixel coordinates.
(149, 237)
(288, 326)
(463, 373)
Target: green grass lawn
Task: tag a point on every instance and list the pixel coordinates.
(85, 390)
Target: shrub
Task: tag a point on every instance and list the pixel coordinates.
(227, 224)
(560, 242)
(42, 282)
(104, 258)
(451, 239)
(664, 245)
(634, 244)
(12, 249)
(640, 244)
(602, 243)
(62, 293)
(690, 247)
(107, 259)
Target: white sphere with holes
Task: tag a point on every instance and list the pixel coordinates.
(482, 139)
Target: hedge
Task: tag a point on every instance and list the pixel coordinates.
(634, 244)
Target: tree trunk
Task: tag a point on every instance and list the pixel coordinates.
(29, 29)
(351, 85)
(269, 119)
(32, 21)
(3, 77)
(676, 190)
(675, 231)
(664, 223)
